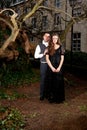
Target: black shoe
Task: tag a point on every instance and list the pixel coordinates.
(41, 98)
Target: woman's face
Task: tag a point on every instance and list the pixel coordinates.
(55, 39)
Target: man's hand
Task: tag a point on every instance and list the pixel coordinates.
(46, 50)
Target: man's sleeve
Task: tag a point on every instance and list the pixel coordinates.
(37, 53)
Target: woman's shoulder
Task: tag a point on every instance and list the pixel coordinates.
(62, 49)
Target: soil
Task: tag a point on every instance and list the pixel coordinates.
(42, 115)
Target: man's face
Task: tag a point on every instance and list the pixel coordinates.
(46, 37)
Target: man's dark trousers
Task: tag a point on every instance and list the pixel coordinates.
(43, 70)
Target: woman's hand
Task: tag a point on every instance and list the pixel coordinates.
(53, 69)
(58, 69)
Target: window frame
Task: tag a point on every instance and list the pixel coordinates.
(76, 46)
(57, 3)
(77, 11)
(34, 21)
(44, 21)
(45, 3)
(57, 18)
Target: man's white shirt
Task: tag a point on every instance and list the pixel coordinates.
(37, 53)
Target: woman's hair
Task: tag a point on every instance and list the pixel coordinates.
(58, 42)
(51, 49)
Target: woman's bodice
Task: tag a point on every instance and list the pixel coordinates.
(56, 57)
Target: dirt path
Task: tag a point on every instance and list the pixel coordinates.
(41, 115)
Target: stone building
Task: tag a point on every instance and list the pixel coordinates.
(54, 21)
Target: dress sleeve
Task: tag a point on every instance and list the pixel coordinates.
(62, 50)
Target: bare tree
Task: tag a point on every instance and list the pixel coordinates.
(15, 24)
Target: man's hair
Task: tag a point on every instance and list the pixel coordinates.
(47, 34)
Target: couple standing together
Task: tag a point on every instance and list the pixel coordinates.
(51, 55)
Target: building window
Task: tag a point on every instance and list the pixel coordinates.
(25, 10)
(17, 1)
(77, 11)
(45, 3)
(34, 20)
(32, 39)
(44, 21)
(57, 19)
(14, 2)
(18, 11)
(79, 1)
(32, 4)
(76, 42)
(57, 3)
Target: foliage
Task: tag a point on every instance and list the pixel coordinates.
(10, 95)
(4, 33)
(11, 119)
(16, 73)
(83, 108)
(78, 58)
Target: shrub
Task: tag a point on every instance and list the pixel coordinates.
(16, 72)
(78, 58)
(11, 119)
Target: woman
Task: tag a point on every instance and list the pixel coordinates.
(55, 79)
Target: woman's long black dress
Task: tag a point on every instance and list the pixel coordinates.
(55, 81)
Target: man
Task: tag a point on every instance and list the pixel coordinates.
(40, 53)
